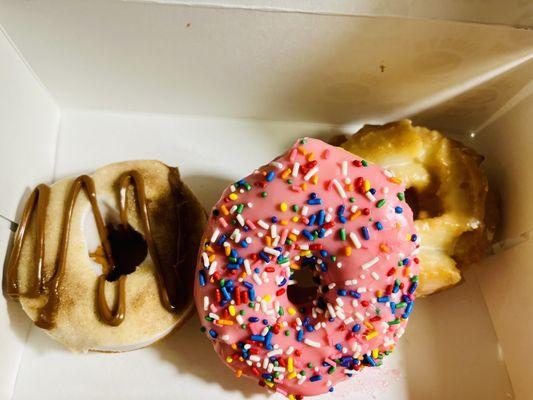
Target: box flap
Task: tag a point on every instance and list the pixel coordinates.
(506, 280)
(288, 66)
(507, 142)
(29, 122)
(478, 103)
(14, 327)
(513, 12)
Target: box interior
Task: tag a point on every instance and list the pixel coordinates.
(77, 81)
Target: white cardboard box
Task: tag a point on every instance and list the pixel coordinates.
(181, 82)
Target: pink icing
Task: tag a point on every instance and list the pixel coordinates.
(371, 287)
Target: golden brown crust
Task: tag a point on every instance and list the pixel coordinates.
(77, 323)
(454, 214)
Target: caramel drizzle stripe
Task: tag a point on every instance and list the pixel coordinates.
(167, 279)
(39, 199)
(48, 312)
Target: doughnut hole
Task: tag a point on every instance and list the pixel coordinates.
(128, 246)
(424, 202)
(306, 287)
(129, 249)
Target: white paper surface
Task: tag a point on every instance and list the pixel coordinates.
(28, 128)
(506, 281)
(510, 12)
(29, 121)
(175, 59)
(510, 169)
(14, 328)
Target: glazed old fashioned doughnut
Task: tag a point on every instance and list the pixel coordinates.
(455, 215)
(106, 262)
(319, 210)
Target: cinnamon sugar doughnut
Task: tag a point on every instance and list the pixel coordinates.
(319, 209)
(105, 262)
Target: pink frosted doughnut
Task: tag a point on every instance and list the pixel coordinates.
(317, 207)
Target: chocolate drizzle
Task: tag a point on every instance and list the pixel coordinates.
(168, 280)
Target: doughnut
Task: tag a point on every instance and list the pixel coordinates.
(455, 214)
(106, 262)
(307, 270)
